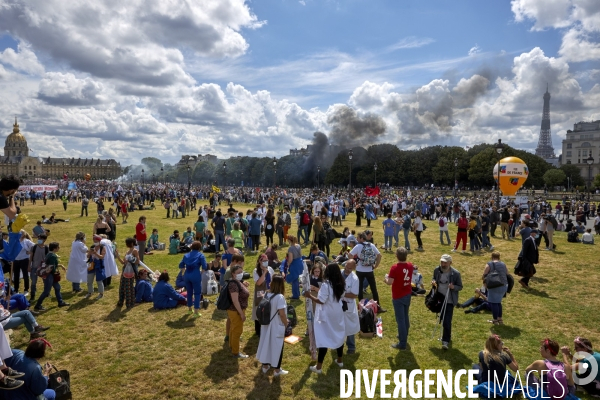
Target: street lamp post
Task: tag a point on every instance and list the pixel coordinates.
(224, 170)
(454, 186)
(162, 173)
(375, 168)
(189, 179)
(499, 147)
(142, 177)
(590, 161)
(275, 178)
(318, 176)
(350, 160)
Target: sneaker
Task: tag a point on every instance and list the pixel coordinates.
(453, 251)
(33, 312)
(36, 335)
(445, 345)
(8, 383)
(547, 249)
(281, 372)
(314, 369)
(468, 311)
(526, 286)
(397, 346)
(40, 308)
(100, 296)
(491, 248)
(265, 370)
(381, 310)
(87, 296)
(41, 328)
(340, 364)
(26, 293)
(64, 304)
(240, 355)
(11, 373)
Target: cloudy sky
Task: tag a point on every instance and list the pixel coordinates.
(163, 78)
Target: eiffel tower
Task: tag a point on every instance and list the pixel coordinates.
(544, 148)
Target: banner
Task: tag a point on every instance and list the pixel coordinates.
(369, 191)
(38, 188)
(216, 189)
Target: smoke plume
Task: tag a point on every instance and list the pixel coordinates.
(349, 129)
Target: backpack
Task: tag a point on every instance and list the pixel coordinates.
(366, 320)
(368, 255)
(330, 235)
(463, 223)
(305, 219)
(557, 387)
(554, 222)
(407, 223)
(441, 222)
(291, 315)
(288, 219)
(263, 311)
(434, 301)
(224, 299)
(243, 225)
(212, 287)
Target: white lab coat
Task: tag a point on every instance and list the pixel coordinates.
(110, 265)
(330, 330)
(270, 344)
(351, 315)
(77, 269)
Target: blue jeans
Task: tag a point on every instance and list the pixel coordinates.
(76, 286)
(220, 238)
(48, 285)
(485, 239)
(388, 241)
(351, 342)
(406, 242)
(33, 283)
(442, 237)
(401, 307)
(48, 394)
(396, 232)
(303, 232)
(24, 317)
(295, 289)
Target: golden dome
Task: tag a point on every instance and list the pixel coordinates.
(15, 136)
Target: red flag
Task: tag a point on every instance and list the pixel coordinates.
(369, 191)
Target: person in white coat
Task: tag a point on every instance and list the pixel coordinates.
(330, 327)
(272, 335)
(351, 314)
(110, 265)
(77, 269)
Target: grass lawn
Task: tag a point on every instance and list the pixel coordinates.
(143, 354)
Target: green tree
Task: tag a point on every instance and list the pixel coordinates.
(152, 163)
(574, 174)
(554, 177)
(443, 171)
(596, 182)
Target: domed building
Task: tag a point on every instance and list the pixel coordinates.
(16, 161)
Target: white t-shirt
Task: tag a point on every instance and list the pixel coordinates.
(357, 250)
(418, 224)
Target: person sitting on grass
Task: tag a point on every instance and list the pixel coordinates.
(38, 230)
(587, 237)
(494, 360)
(587, 356)
(34, 376)
(143, 289)
(188, 236)
(153, 241)
(549, 376)
(174, 243)
(164, 296)
(480, 301)
(573, 236)
(417, 285)
(315, 252)
(26, 318)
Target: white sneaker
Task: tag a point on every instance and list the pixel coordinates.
(445, 345)
(26, 293)
(491, 248)
(314, 369)
(281, 372)
(87, 296)
(99, 296)
(340, 364)
(453, 250)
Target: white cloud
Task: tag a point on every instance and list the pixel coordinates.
(65, 89)
(411, 42)
(23, 60)
(474, 50)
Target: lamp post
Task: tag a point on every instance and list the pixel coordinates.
(162, 173)
(499, 147)
(318, 176)
(275, 167)
(375, 168)
(131, 180)
(590, 161)
(142, 177)
(350, 160)
(454, 187)
(153, 178)
(224, 170)
(189, 179)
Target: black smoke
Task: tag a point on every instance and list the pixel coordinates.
(349, 129)
(318, 156)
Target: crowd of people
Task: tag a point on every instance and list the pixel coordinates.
(337, 284)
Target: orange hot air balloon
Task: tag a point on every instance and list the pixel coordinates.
(88, 177)
(513, 174)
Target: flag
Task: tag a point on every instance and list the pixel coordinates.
(216, 189)
(369, 191)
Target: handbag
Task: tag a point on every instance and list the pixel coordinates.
(492, 280)
(129, 272)
(56, 277)
(60, 382)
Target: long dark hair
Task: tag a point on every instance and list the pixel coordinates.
(336, 281)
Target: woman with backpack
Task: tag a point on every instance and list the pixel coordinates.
(272, 335)
(443, 223)
(191, 265)
(263, 275)
(329, 324)
(558, 379)
(496, 271)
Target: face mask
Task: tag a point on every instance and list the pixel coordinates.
(265, 263)
(40, 241)
(239, 276)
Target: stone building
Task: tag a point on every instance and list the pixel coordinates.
(581, 143)
(17, 161)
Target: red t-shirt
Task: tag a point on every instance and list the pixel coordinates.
(124, 208)
(402, 274)
(138, 232)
